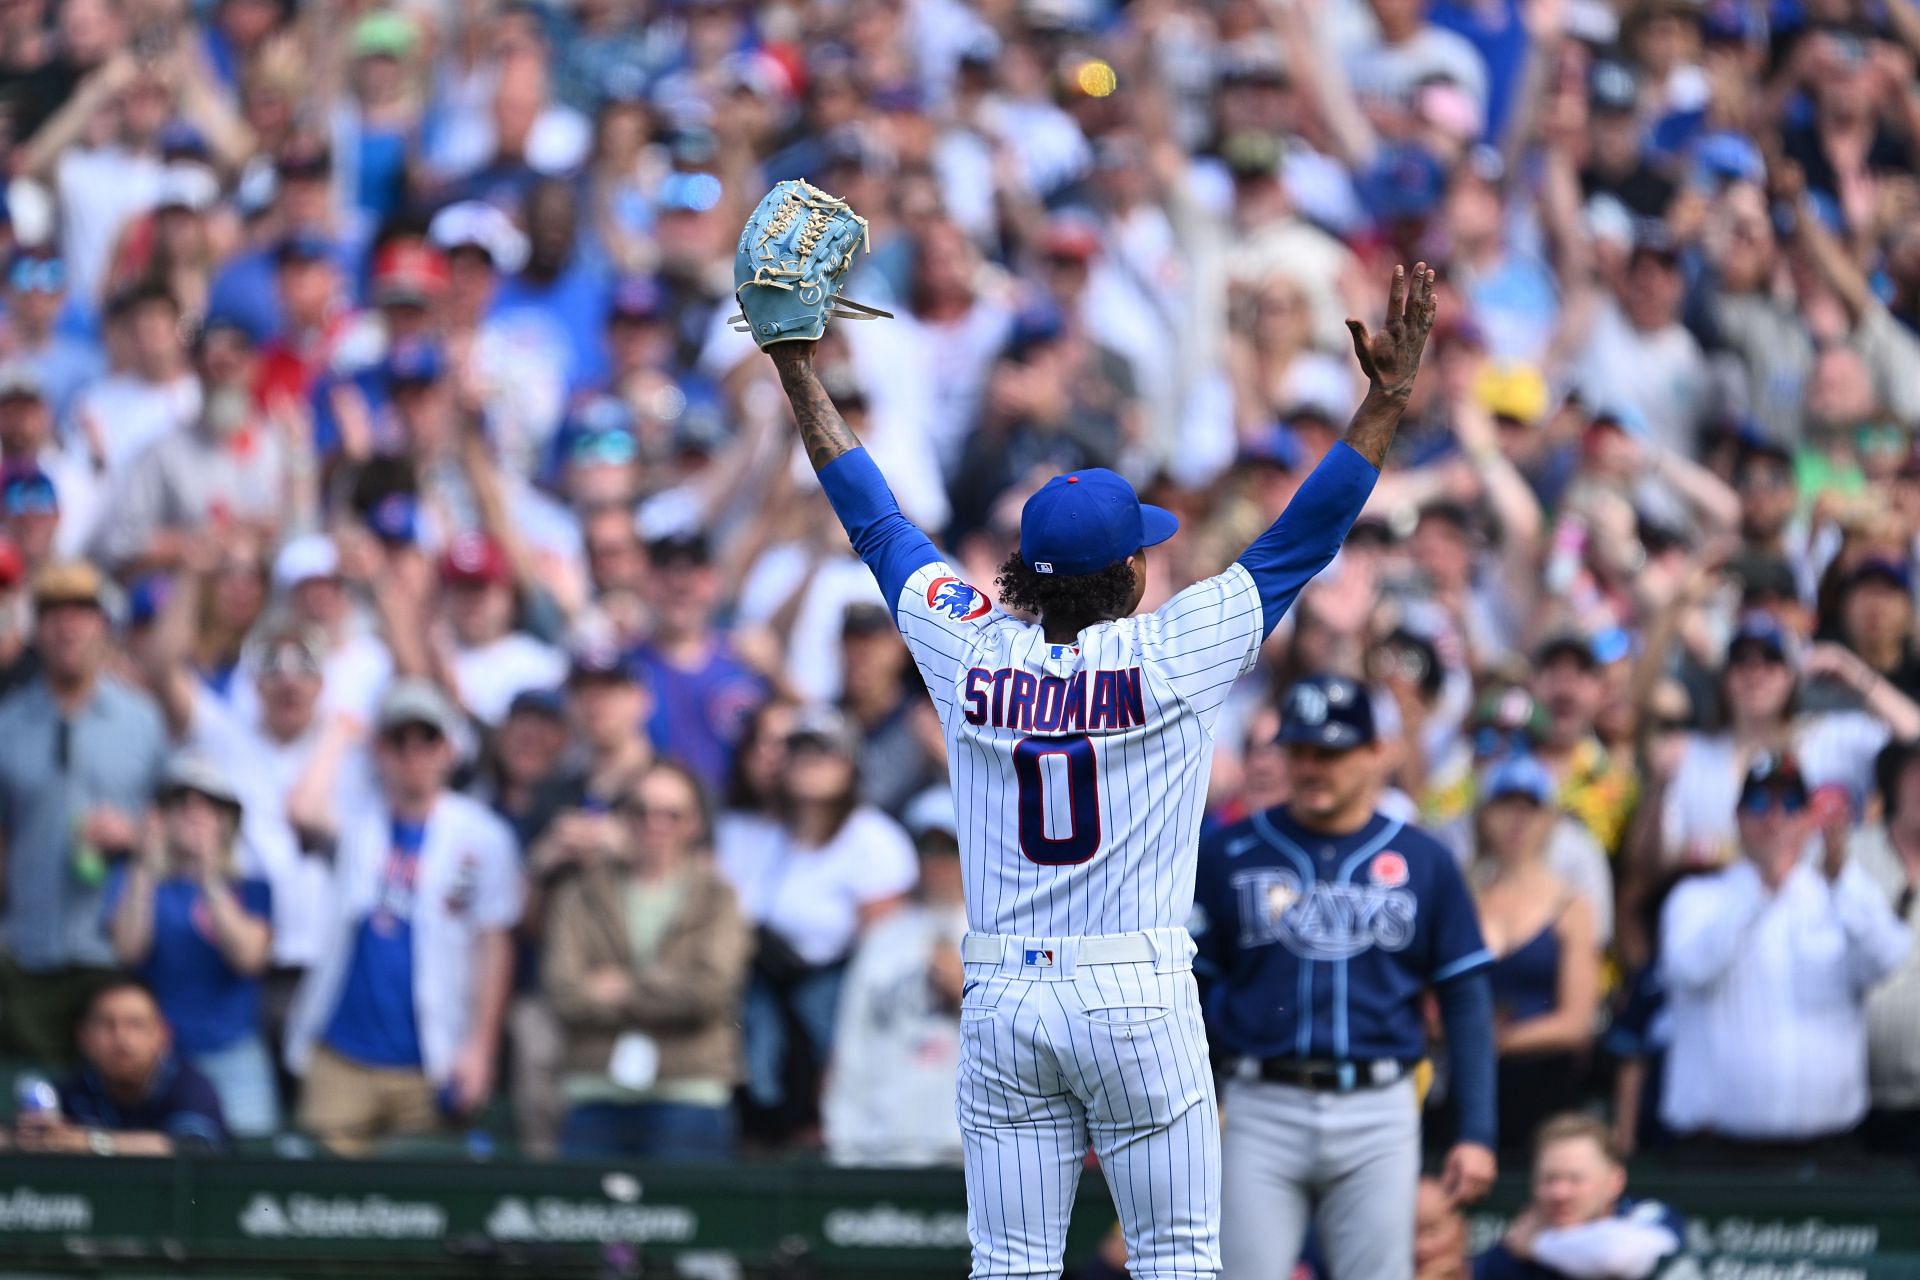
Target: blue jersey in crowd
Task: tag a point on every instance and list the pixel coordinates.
(699, 714)
(374, 1022)
(1497, 1263)
(1319, 947)
(209, 1004)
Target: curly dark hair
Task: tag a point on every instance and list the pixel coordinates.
(1081, 597)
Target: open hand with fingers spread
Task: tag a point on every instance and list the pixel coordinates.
(1391, 357)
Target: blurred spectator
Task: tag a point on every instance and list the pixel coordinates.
(1580, 1221)
(493, 660)
(702, 691)
(397, 1026)
(224, 469)
(901, 748)
(200, 936)
(1546, 968)
(1888, 852)
(63, 364)
(83, 760)
(646, 956)
(812, 880)
(131, 1096)
(150, 391)
(51, 495)
(896, 1046)
(1439, 1235)
(1752, 1070)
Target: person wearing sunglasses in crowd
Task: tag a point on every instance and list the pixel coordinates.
(645, 958)
(1768, 964)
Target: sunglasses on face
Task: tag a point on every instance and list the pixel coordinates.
(39, 277)
(411, 737)
(1759, 803)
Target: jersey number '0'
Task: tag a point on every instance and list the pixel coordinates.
(1082, 840)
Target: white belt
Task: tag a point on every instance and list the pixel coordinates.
(1115, 948)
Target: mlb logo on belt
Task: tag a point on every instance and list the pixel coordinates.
(1044, 959)
(1389, 870)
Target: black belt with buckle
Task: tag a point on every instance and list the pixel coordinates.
(1331, 1077)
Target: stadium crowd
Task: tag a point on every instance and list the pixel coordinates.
(429, 670)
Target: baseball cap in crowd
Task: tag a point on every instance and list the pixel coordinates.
(548, 704)
(692, 192)
(70, 582)
(35, 273)
(1881, 569)
(1274, 445)
(187, 186)
(1773, 775)
(291, 650)
(20, 380)
(383, 34)
(1764, 578)
(1518, 775)
(190, 771)
(1405, 184)
(475, 224)
(305, 559)
(1566, 644)
(28, 491)
(1507, 720)
(415, 363)
(682, 547)
(395, 520)
(1516, 392)
(1084, 521)
(303, 159)
(1757, 633)
(1327, 711)
(301, 247)
(597, 660)
(1723, 156)
(931, 811)
(1730, 22)
(637, 298)
(1612, 87)
(1621, 417)
(407, 273)
(1071, 237)
(410, 701)
(823, 728)
(13, 566)
(475, 559)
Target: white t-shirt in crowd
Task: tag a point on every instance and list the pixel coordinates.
(131, 413)
(101, 189)
(813, 643)
(491, 676)
(1697, 820)
(812, 897)
(262, 772)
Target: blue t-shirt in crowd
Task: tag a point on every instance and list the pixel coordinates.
(374, 1022)
(209, 1003)
(699, 715)
(574, 305)
(180, 1102)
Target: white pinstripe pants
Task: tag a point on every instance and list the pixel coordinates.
(1058, 1056)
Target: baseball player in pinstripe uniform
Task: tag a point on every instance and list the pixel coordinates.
(1079, 750)
(1321, 924)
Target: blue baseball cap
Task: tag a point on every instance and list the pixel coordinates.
(1086, 520)
(1518, 775)
(1327, 711)
(1757, 630)
(29, 492)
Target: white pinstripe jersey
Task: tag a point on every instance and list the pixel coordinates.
(1079, 770)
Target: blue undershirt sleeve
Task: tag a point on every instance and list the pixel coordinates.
(1466, 1010)
(1309, 532)
(886, 540)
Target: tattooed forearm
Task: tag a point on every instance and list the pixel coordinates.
(822, 430)
(1374, 423)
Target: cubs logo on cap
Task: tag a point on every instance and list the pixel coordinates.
(1389, 870)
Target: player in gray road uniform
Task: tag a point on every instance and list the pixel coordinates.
(1322, 923)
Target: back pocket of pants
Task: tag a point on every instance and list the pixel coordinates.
(979, 997)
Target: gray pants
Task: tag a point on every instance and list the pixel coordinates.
(1348, 1162)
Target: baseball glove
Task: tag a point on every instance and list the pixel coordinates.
(793, 254)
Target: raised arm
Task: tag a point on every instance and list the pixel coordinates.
(889, 543)
(1309, 532)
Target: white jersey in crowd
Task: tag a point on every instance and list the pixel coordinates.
(1079, 770)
